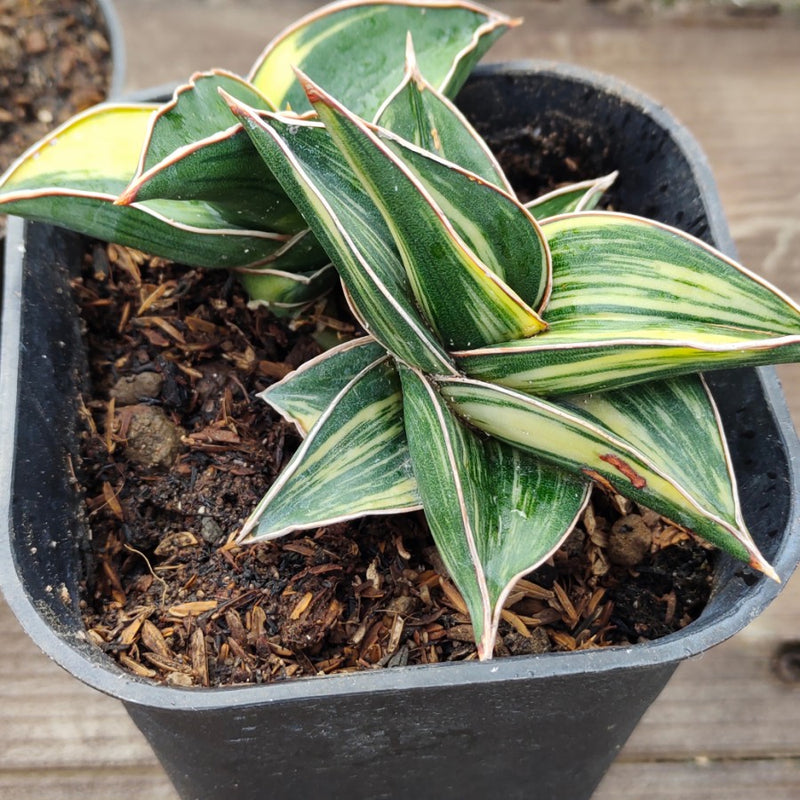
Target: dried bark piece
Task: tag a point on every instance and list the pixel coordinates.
(197, 648)
(153, 640)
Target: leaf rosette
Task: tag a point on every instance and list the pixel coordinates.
(531, 358)
(514, 355)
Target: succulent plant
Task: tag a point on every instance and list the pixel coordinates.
(510, 363)
(514, 355)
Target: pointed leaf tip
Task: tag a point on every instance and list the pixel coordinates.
(313, 92)
(763, 566)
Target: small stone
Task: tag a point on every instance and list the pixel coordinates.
(629, 541)
(210, 530)
(153, 440)
(132, 389)
(179, 679)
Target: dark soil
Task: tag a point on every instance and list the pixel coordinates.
(177, 451)
(55, 60)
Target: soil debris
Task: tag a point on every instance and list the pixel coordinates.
(169, 602)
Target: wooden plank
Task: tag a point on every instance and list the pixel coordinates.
(728, 703)
(777, 779)
(50, 720)
(95, 784)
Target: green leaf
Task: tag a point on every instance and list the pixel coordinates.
(627, 440)
(227, 173)
(197, 113)
(633, 301)
(347, 223)
(494, 225)
(369, 37)
(463, 300)
(588, 355)
(303, 395)
(286, 290)
(353, 462)
(495, 512)
(74, 175)
(609, 265)
(197, 150)
(583, 196)
(422, 116)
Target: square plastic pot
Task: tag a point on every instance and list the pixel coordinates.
(534, 727)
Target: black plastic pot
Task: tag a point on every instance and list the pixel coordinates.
(535, 727)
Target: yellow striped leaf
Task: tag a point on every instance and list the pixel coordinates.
(652, 443)
(596, 354)
(608, 265)
(345, 220)
(74, 175)
(284, 291)
(369, 37)
(195, 149)
(303, 395)
(353, 462)
(633, 300)
(493, 224)
(462, 299)
(583, 196)
(495, 511)
(422, 116)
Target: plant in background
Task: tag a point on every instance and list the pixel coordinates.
(515, 355)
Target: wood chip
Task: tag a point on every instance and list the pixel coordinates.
(533, 590)
(302, 605)
(516, 622)
(110, 496)
(572, 617)
(136, 667)
(131, 632)
(153, 297)
(195, 608)
(153, 639)
(197, 648)
(235, 626)
(394, 635)
(453, 596)
(166, 326)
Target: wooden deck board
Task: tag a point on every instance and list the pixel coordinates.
(725, 726)
(776, 779)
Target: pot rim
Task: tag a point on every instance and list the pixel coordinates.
(116, 41)
(74, 653)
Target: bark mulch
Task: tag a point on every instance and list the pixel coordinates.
(55, 60)
(176, 452)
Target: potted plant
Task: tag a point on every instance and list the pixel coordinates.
(444, 728)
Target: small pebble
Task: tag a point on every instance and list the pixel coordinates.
(153, 440)
(629, 541)
(132, 389)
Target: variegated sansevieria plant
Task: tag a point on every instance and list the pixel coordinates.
(182, 180)
(515, 355)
